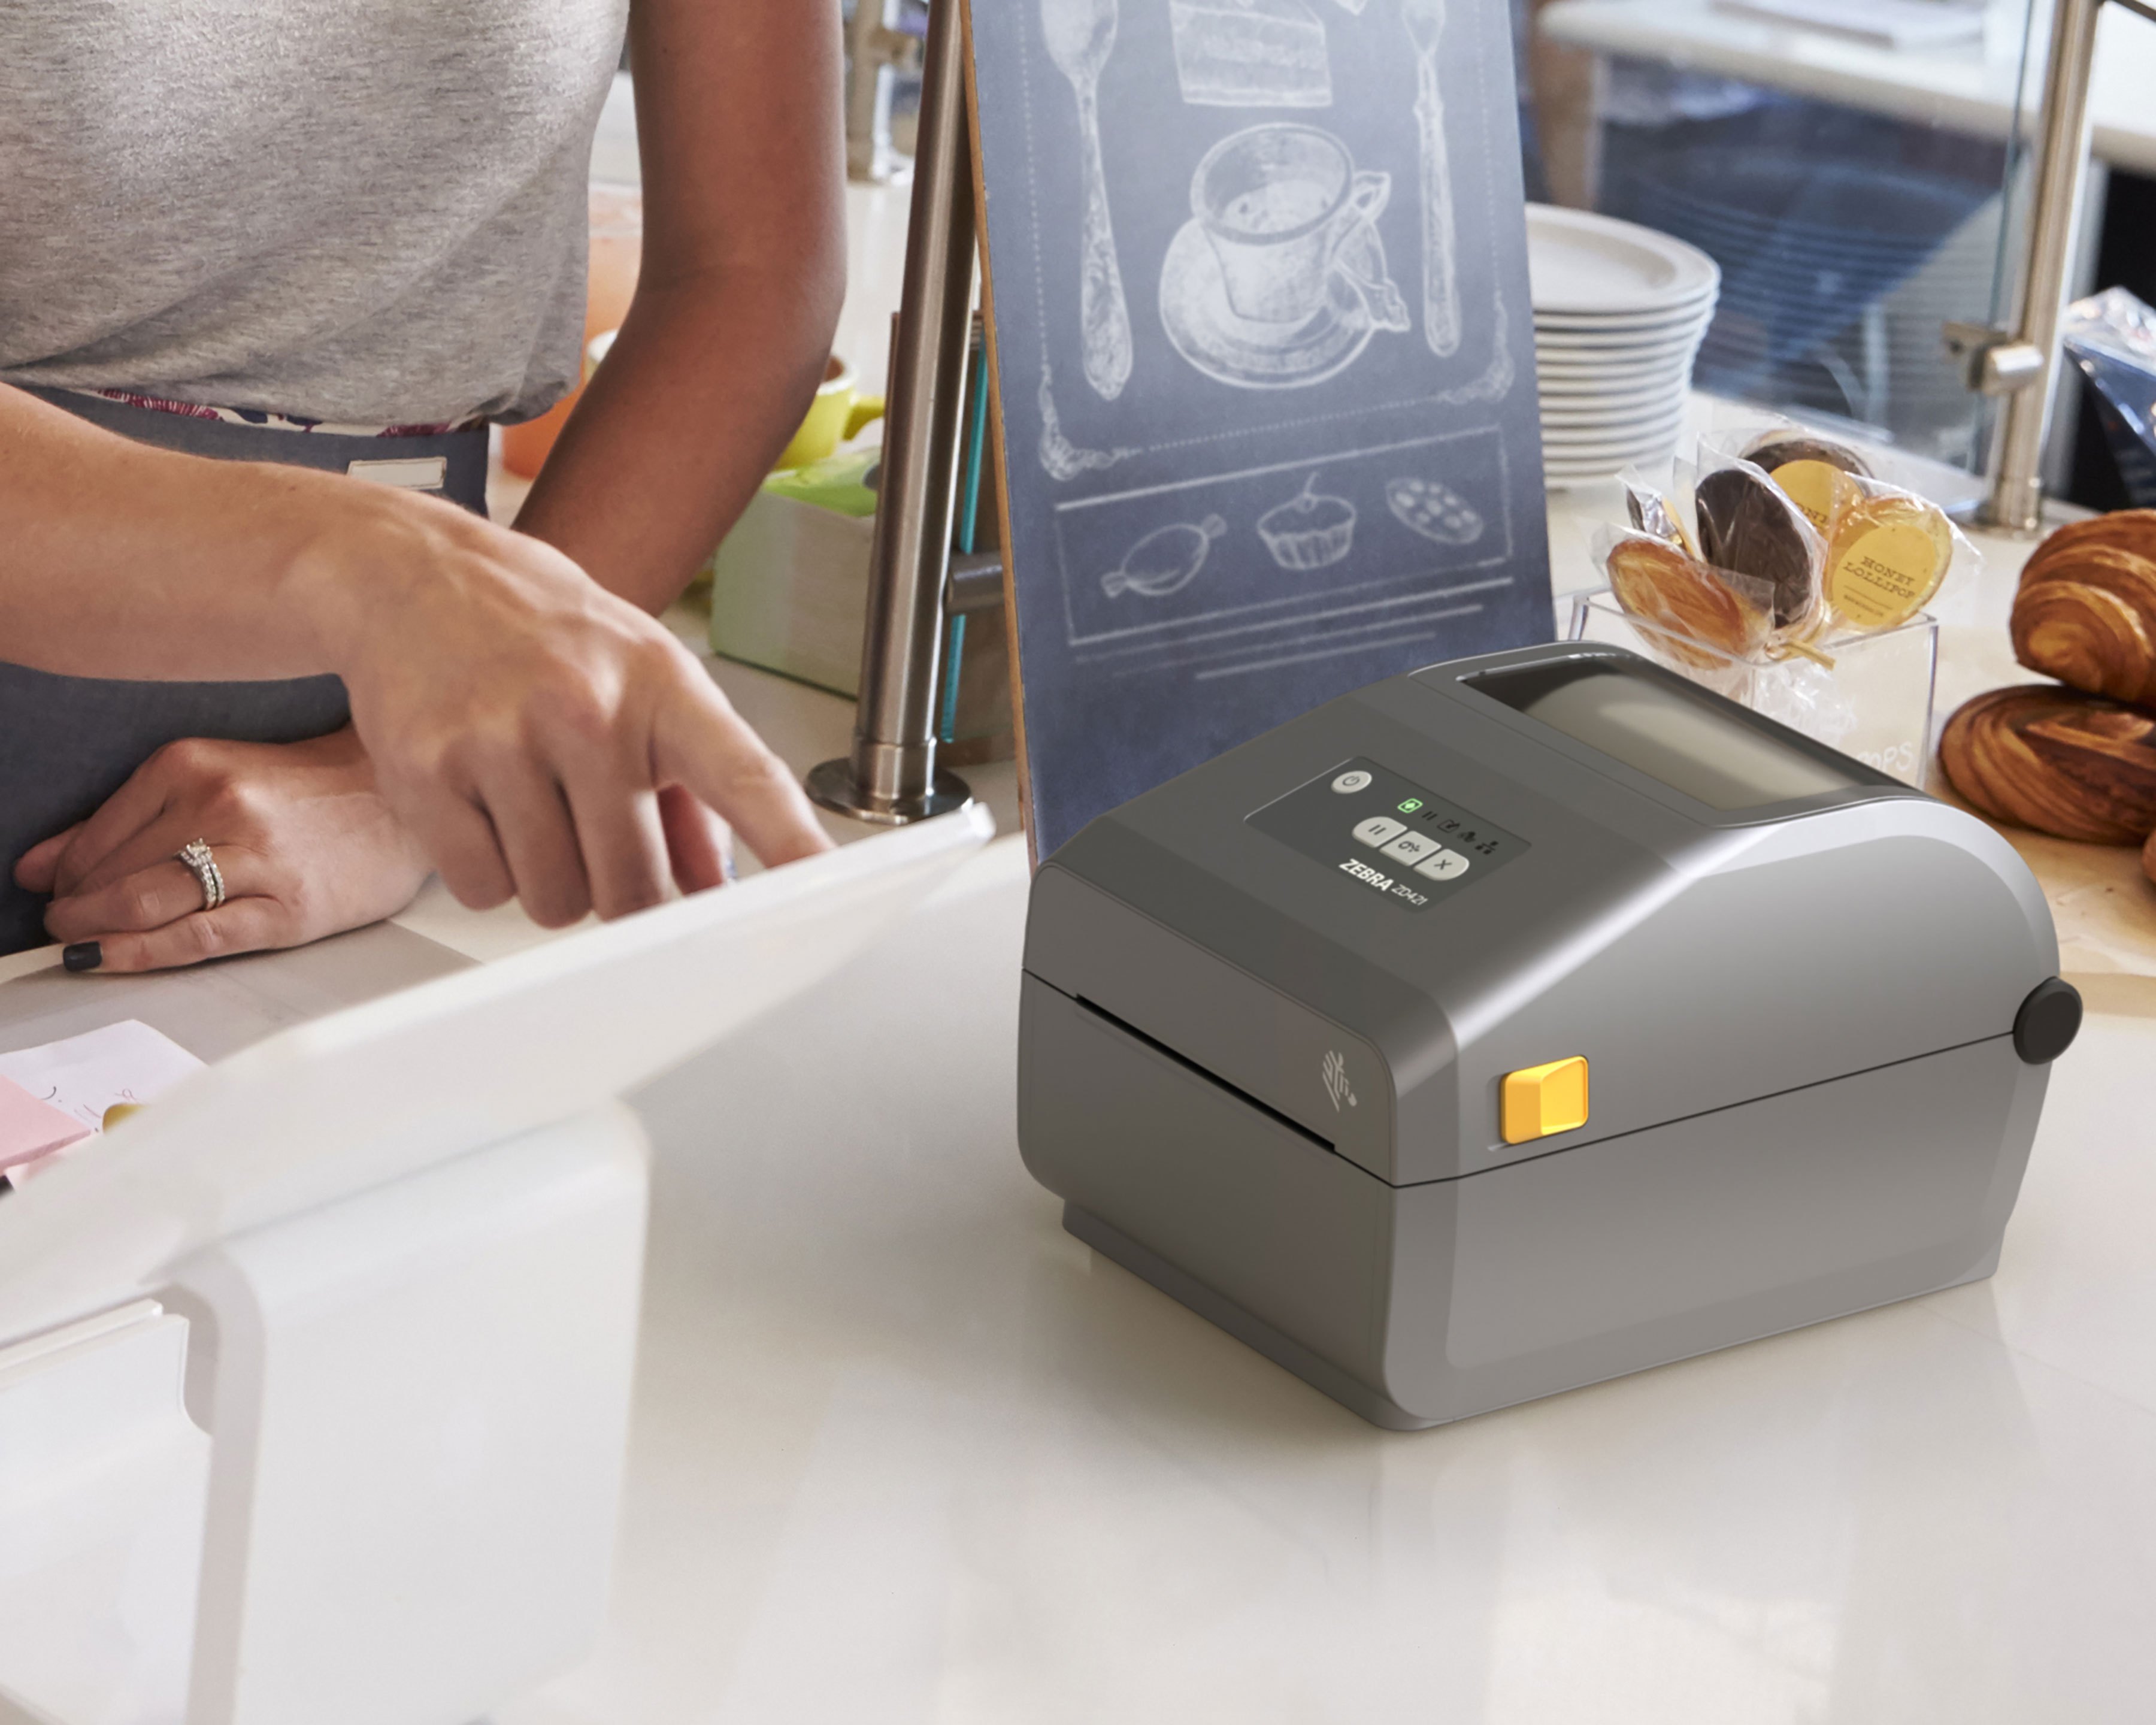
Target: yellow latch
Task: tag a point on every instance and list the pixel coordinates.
(1539, 1101)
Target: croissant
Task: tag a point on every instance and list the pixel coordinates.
(2086, 612)
(2075, 765)
(2149, 857)
(2132, 529)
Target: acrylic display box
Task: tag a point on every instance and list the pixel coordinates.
(1875, 703)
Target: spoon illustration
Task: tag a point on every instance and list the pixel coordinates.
(1080, 33)
(1440, 286)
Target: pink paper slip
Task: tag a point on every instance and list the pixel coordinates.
(30, 1128)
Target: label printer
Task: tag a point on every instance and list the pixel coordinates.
(1531, 1020)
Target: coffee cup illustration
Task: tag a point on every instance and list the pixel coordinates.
(1277, 202)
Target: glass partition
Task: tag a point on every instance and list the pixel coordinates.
(1847, 163)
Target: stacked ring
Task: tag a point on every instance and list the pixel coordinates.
(196, 854)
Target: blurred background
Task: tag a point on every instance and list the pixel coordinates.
(1858, 169)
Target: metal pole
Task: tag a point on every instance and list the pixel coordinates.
(2017, 491)
(891, 776)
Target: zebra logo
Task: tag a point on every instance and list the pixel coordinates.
(1334, 1072)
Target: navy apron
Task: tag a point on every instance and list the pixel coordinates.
(68, 743)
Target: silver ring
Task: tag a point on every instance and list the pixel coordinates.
(196, 854)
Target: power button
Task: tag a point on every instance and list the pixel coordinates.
(1350, 782)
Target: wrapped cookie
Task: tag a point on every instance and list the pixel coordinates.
(1700, 616)
(1748, 526)
(1890, 552)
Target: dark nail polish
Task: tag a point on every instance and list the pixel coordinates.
(82, 955)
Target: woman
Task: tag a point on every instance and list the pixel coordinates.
(229, 222)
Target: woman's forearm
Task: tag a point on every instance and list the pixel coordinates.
(118, 560)
(743, 271)
(704, 386)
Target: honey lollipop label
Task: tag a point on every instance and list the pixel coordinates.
(1889, 556)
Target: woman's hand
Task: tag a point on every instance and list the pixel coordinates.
(305, 841)
(523, 721)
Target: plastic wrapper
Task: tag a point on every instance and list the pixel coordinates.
(1888, 556)
(1811, 616)
(1774, 444)
(1683, 600)
(1886, 551)
(1748, 525)
(1652, 513)
(2111, 338)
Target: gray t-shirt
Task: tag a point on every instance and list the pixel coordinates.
(369, 212)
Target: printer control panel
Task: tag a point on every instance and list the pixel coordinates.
(1386, 834)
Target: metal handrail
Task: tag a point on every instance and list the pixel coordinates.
(889, 777)
(2020, 365)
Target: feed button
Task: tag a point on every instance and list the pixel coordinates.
(1379, 830)
(1412, 848)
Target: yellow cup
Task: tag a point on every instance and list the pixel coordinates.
(838, 412)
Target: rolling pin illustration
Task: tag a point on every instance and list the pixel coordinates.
(1080, 33)
(1440, 284)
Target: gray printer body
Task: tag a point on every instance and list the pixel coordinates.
(1266, 1079)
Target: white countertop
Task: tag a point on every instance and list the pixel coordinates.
(906, 1450)
(1973, 89)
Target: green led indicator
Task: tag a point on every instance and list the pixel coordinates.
(1411, 805)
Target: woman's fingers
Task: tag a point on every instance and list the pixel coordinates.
(243, 925)
(101, 851)
(702, 745)
(37, 868)
(539, 844)
(154, 919)
(158, 842)
(623, 844)
(699, 844)
(458, 839)
(149, 898)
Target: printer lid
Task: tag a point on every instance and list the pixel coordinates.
(1725, 762)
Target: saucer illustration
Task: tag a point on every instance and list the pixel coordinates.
(1359, 299)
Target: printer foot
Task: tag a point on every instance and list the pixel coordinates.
(1179, 1286)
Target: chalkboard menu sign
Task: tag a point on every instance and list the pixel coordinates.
(1264, 356)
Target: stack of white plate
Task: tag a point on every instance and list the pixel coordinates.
(1619, 311)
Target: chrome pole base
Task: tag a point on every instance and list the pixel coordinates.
(2015, 507)
(833, 786)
